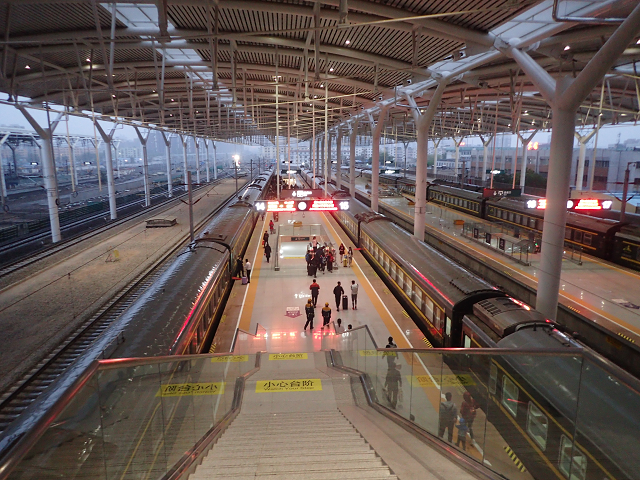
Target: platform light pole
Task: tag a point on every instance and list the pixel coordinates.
(236, 161)
(625, 189)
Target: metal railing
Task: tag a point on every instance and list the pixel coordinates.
(133, 418)
(561, 413)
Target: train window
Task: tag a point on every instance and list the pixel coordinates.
(408, 286)
(567, 233)
(537, 425)
(503, 214)
(427, 309)
(447, 326)
(577, 236)
(467, 341)
(573, 464)
(586, 239)
(532, 222)
(417, 298)
(511, 216)
(492, 211)
(493, 378)
(438, 319)
(518, 218)
(400, 278)
(510, 395)
(539, 223)
(386, 263)
(392, 273)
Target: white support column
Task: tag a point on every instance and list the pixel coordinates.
(185, 164)
(215, 161)
(196, 142)
(523, 167)
(423, 121)
(48, 170)
(485, 156)
(206, 162)
(457, 159)
(3, 184)
(145, 166)
(329, 164)
(375, 156)
(339, 159)
(167, 152)
(564, 96)
(111, 183)
(72, 163)
(582, 141)
(352, 158)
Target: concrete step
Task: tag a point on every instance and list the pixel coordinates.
(230, 449)
(327, 465)
(371, 474)
(301, 432)
(314, 457)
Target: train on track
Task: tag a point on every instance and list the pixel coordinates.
(179, 313)
(455, 308)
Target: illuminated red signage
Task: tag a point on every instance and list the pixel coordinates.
(323, 205)
(578, 204)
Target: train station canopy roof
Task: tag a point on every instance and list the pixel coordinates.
(217, 68)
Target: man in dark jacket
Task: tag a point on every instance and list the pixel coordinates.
(267, 251)
(315, 289)
(265, 238)
(448, 416)
(393, 382)
(338, 291)
(308, 309)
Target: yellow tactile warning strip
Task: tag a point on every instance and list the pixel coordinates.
(244, 319)
(427, 342)
(515, 459)
(532, 278)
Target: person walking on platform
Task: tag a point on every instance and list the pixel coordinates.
(448, 415)
(247, 267)
(308, 308)
(307, 258)
(330, 262)
(326, 315)
(272, 226)
(338, 291)
(392, 383)
(354, 294)
(267, 251)
(391, 356)
(315, 289)
(265, 238)
(341, 249)
(350, 255)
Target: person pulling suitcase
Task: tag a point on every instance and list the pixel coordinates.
(338, 291)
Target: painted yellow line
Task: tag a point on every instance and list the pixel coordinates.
(246, 311)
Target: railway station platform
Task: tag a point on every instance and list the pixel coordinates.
(46, 301)
(268, 314)
(599, 290)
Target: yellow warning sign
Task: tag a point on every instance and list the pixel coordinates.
(230, 358)
(186, 389)
(376, 353)
(288, 356)
(445, 380)
(297, 385)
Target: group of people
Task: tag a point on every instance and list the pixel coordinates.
(340, 298)
(449, 416)
(243, 270)
(321, 257)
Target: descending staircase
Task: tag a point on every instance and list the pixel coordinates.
(318, 445)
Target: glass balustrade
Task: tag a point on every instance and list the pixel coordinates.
(525, 414)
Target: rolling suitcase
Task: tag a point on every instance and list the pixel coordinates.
(345, 302)
(245, 280)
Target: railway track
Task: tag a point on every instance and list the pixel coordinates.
(22, 262)
(17, 398)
